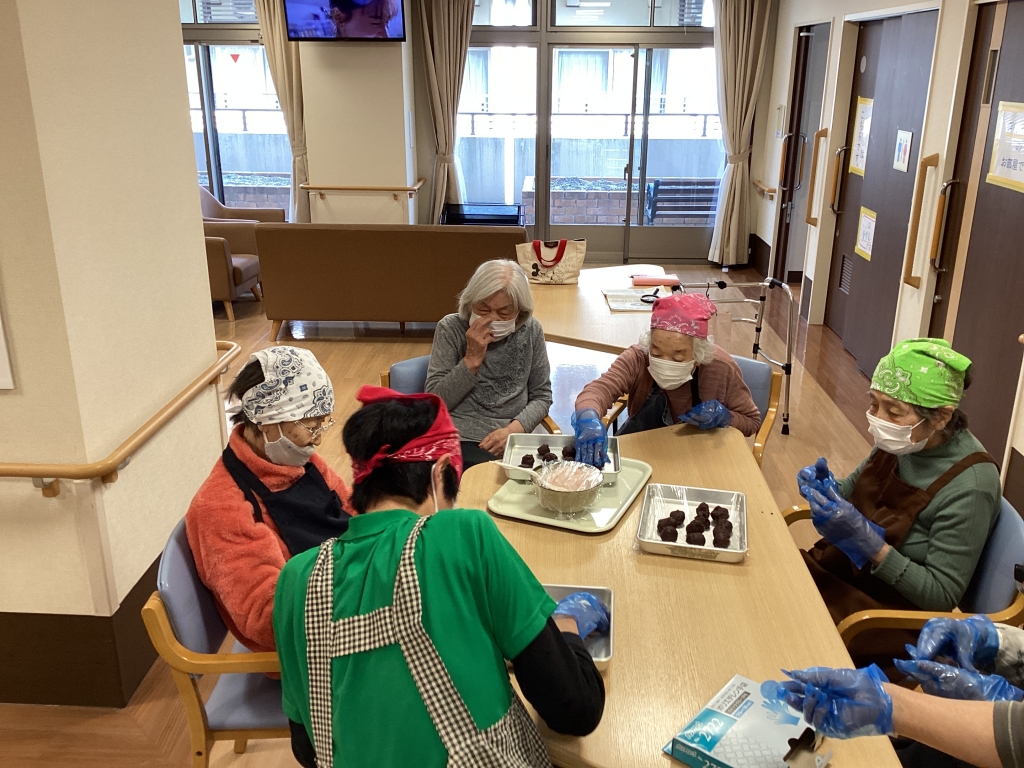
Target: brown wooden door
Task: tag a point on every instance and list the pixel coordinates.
(990, 313)
(895, 55)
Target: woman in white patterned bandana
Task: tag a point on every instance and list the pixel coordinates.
(269, 496)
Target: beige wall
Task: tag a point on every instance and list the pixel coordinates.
(954, 34)
(105, 296)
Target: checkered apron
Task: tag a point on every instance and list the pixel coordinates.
(512, 742)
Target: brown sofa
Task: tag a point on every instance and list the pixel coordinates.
(372, 272)
(215, 209)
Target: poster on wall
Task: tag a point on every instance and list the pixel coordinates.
(861, 134)
(6, 377)
(901, 159)
(865, 233)
(1007, 169)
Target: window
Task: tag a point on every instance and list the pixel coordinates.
(496, 130)
(503, 13)
(217, 11)
(634, 13)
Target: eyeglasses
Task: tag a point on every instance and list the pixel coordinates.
(315, 432)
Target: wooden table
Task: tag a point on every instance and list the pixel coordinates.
(579, 314)
(684, 627)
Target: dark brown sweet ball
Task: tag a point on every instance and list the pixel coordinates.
(678, 515)
(666, 522)
(722, 542)
(702, 508)
(527, 461)
(569, 452)
(695, 526)
(723, 527)
(543, 449)
(549, 457)
(697, 539)
(668, 534)
(720, 513)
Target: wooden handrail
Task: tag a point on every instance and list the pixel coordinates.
(764, 191)
(813, 220)
(106, 469)
(932, 161)
(321, 188)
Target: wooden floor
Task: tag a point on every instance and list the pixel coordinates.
(828, 400)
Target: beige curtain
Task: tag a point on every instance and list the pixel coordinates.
(286, 70)
(446, 27)
(741, 34)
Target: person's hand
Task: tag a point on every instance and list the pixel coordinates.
(478, 336)
(968, 642)
(840, 703)
(591, 437)
(590, 613)
(708, 415)
(843, 525)
(955, 683)
(817, 477)
(495, 441)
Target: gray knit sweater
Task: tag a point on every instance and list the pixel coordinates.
(514, 381)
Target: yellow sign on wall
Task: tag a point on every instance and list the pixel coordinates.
(1007, 169)
(861, 134)
(865, 233)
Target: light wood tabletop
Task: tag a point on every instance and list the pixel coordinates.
(684, 627)
(579, 314)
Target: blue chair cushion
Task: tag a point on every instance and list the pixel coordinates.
(993, 589)
(244, 702)
(757, 375)
(410, 376)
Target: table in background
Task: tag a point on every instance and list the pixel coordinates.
(684, 627)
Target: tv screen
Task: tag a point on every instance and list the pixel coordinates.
(345, 19)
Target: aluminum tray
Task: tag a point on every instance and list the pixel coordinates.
(518, 445)
(517, 500)
(660, 500)
(600, 646)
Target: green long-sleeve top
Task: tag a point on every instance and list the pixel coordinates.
(936, 561)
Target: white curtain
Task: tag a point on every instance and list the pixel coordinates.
(741, 34)
(283, 57)
(446, 27)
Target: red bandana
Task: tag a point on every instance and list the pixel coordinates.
(442, 437)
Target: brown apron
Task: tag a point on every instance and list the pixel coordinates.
(882, 497)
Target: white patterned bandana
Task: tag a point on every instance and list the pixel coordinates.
(295, 386)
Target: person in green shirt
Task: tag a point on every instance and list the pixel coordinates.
(906, 529)
(393, 637)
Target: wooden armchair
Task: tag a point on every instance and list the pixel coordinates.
(992, 591)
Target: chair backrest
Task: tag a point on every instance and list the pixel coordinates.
(992, 589)
(757, 375)
(410, 376)
(212, 207)
(190, 605)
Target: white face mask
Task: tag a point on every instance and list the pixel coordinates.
(669, 374)
(283, 451)
(500, 328)
(894, 438)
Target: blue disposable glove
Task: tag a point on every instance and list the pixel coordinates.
(708, 415)
(968, 642)
(840, 703)
(843, 525)
(955, 683)
(591, 437)
(590, 613)
(817, 477)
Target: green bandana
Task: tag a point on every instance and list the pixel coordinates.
(924, 372)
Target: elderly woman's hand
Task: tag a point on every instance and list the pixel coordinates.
(495, 442)
(478, 337)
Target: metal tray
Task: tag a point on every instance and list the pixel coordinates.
(660, 500)
(518, 445)
(517, 500)
(600, 646)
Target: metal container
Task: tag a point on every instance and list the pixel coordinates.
(518, 445)
(599, 645)
(660, 500)
(568, 502)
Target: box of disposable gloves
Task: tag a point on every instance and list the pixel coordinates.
(738, 728)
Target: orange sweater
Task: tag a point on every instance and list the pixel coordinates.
(236, 557)
(719, 380)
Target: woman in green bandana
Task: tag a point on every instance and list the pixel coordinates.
(906, 528)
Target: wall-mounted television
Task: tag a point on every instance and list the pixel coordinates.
(345, 20)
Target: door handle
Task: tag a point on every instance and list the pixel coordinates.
(782, 163)
(803, 153)
(932, 161)
(938, 233)
(837, 182)
(812, 220)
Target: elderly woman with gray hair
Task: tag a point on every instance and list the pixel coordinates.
(489, 362)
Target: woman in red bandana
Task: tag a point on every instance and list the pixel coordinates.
(675, 374)
(393, 637)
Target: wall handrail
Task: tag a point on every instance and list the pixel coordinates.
(763, 190)
(909, 278)
(106, 469)
(321, 188)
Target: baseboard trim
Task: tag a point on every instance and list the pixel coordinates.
(93, 661)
